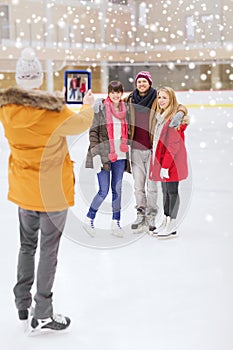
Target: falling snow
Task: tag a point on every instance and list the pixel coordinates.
(105, 26)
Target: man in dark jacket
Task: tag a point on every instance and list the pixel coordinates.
(142, 106)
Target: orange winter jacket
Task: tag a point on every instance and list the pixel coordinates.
(36, 124)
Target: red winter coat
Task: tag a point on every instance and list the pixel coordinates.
(170, 154)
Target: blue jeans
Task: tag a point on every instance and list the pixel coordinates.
(117, 170)
(72, 94)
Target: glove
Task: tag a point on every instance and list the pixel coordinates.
(176, 120)
(186, 120)
(98, 106)
(97, 164)
(164, 173)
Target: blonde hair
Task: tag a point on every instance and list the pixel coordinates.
(173, 106)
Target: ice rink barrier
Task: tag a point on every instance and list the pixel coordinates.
(194, 99)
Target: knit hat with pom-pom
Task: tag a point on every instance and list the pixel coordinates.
(146, 75)
(29, 74)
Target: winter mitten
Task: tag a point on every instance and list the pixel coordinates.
(106, 166)
(124, 147)
(98, 106)
(164, 173)
(97, 164)
(176, 120)
(186, 120)
(112, 157)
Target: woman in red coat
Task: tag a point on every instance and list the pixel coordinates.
(169, 158)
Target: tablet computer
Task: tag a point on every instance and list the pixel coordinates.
(77, 83)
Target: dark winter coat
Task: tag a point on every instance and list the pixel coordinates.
(131, 118)
(99, 142)
(170, 154)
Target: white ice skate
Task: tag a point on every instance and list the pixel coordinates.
(160, 228)
(89, 226)
(116, 229)
(169, 229)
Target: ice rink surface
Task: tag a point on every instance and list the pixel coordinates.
(143, 293)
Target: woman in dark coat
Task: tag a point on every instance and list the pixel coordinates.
(108, 154)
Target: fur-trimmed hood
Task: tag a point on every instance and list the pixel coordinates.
(23, 108)
(32, 98)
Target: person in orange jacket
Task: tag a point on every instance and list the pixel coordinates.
(169, 158)
(41, 182)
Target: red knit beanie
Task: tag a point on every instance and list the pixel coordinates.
(144, 74)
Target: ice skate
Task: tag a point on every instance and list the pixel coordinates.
(138, 226)
(25, 313)
(160, 228)
(24, 316)
(150, 221)
(51, 324)
(169, 229)
(89, 226)
(116, 229)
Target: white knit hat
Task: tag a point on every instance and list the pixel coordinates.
(29, 73)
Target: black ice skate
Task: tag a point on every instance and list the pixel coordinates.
(51, 324)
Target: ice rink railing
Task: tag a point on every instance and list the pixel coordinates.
(197, 99)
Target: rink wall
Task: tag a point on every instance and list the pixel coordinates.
(198, 99)
(210, 99)
(193, 99)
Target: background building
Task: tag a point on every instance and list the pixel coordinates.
(185, 44)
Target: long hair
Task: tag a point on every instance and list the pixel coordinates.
(173, 106)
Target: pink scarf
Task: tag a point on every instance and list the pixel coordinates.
(121, 115)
